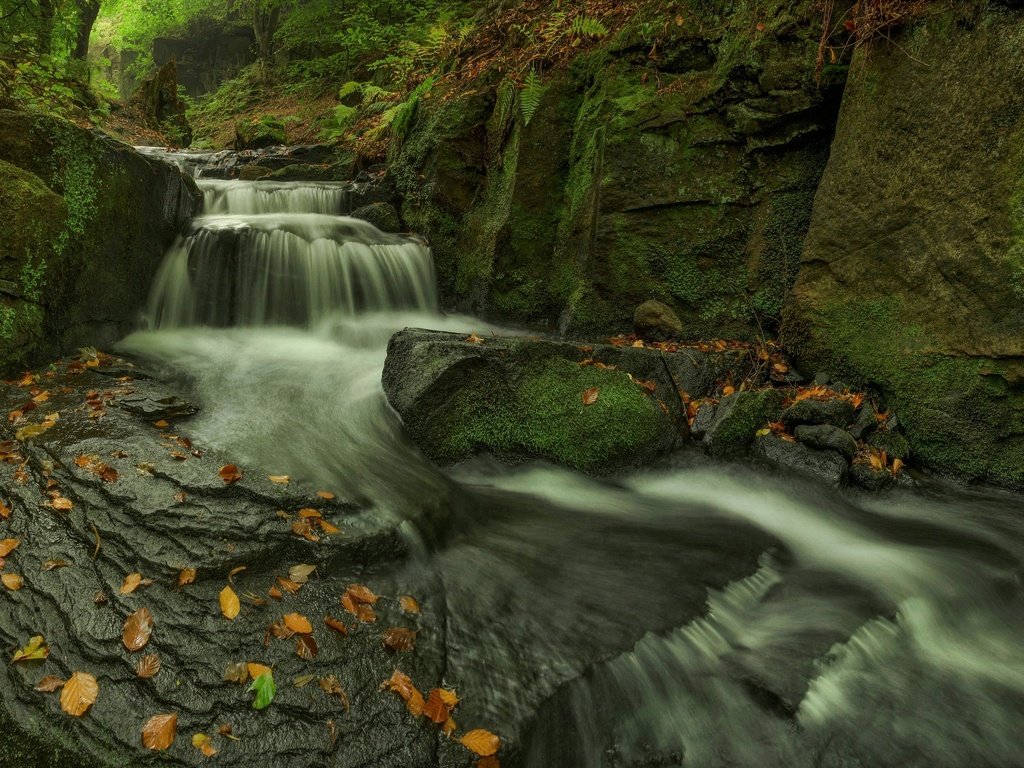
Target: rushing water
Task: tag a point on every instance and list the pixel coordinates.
(871, 631)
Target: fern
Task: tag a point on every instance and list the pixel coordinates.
(587, 26)
(348, 89)
(529, 97)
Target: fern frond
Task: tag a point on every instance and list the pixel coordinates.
(588, 26)
(529, 97)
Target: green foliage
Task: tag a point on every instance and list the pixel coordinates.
(530, 96)
(265, 690)
(586, 26)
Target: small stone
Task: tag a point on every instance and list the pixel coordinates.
(825, 466)
(738, 418)
(382, 215)
(655, 321)
(869, 478)
(836, 412)
(702, 421)
(822, 379)
(865, 423)
(825, 437)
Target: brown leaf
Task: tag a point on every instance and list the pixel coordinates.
(229, 603)
(12, 581)
(400, 683)
(79, 693)
(148, 666)
(53, 565)
(399, 639)
(8, 545)
(49, 684)
(336, 625)
(332, 687)
(488, 762)
(409, 604)
(481, 742)
(474, 339)
(306, 647)
(300, 573)
(327, 495)
(298, 624)
(235, 571)
(590, 396)
(187, 576)
(137, 630)
(436, 709)
(159, 731)
(230, 473)
(204, 744)
(361, 611)
(131, 583)
(237, 673)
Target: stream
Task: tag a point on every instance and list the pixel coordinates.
(695, 614)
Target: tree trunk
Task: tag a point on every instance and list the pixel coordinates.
(88, 10)
(264, 25)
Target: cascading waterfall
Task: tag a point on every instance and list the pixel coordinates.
(282, 254)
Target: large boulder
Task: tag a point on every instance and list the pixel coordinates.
(912, 276)
(158, 100)
(522, 399)
(84, 224)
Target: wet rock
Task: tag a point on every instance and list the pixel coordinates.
(702, 421)
(892, 442)
(523, 398)
(738, 418)
(655, 321)
(826, 437)
(865, 422)
(257, 134)
(164, 408)
(382, 215)
(253, 172)
(826, 466)
(697, 373)
(837, 412)
(869, 478)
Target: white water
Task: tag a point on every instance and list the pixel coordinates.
(876, 632)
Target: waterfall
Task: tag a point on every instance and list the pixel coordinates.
(280, 253)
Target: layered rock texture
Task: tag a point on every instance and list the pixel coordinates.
(85, 221)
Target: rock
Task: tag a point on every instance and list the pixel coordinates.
(253, 172)
(890, 441)
(158, 99)
(258, 134)
(697, 373)
(738, 418)
(938, 330)
(382, 215)
(522, 398)
(85, 222)
(869, 478)
(826, 437)
(654, 321)
(836, 411)
(865, 422)
(702, 421)
(822, 379)
(826, 466)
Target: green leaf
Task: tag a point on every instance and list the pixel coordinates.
(529, 98)
(265, 690)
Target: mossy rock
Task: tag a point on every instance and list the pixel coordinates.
(259, 134)
(522, 399)
(739, 417)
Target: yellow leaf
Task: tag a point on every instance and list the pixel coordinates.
(280, 480)
(481, 742)
(229, 604)
(12, 581)
(79, 693)
(298, 624)
(8, 545)
(131, 583)
(409, 604)
(36, 650)
(187, 576)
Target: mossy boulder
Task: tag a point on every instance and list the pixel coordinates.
(522, 399)
(917, 288)
(84, 224)
(738, 418)
(258, 134)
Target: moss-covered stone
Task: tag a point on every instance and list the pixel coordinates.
(267, 131)
(738, 418)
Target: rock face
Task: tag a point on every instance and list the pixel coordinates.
(158, 99)
(84, 223)
(917, 287)
(527, 399)
(688, 178)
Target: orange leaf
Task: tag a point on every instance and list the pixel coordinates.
(131, 583)
(481, 742)
(159, 731)
(12, 581)
(187, 576)
(728, 390)
(80, 692)
(474, 339)
(5, 511)
(326, 495)
(8, 545)
(229, 473)
(336, 625)
(362, 594)
(148, 666)
(409, 604)
(137, 630)
(399, 639)
(329, 528)
(229, 604)
(590, 396)
(488, 762)
(298, 624)
(257, 670)
(61, 503)
(436, 708)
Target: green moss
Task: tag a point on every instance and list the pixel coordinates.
(739, 417)
(73, 176)
(543, 415)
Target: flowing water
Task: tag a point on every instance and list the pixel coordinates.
(697, 614)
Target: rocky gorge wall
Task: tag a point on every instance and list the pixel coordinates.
(84, 223)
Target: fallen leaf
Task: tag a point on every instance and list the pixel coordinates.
(12, 581)
(62, 504)
(161, 424)
(137, 630)
(436, 708)
(229, 603)
(131, 583)
(399, 639)
(488, 762)
(54, 564)
(409, 604)
(300, 573)
(180, 497)
(230, 473)
(148, 666)
(332, 687)
(280, 479)
(36, 650)
(289, 586)
(49, 684)
(306, 647)
(235, 571)
(303, 680)
(474, 339)
(159, 731)
(481, 742)
(79, 693)
(5, 511)
(256, 670)
(298, 624)
(326, 495)
(187, 576)
(8, 545)
(361, 611)
(329, 528)
(590, 396)
(897, 465)
(204, 744)
(336, 625)
(265, 689)
(362, 594)
(449, 727)
(308, 513)
(400, 683)
(237, 673)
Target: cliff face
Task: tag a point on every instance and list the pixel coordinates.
(84, 223)
(684, 173)
(912, 276)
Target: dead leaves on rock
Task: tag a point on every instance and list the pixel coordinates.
(160, 731)
(399, 639)
(358, 600)
(590, 395)
(229, 603)
(137, 630)
(8, 545)
(35, 650)
(298, 624)
(148, 666)
(92, 463)
(230, 473)
(12, 581)
(79, 693)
